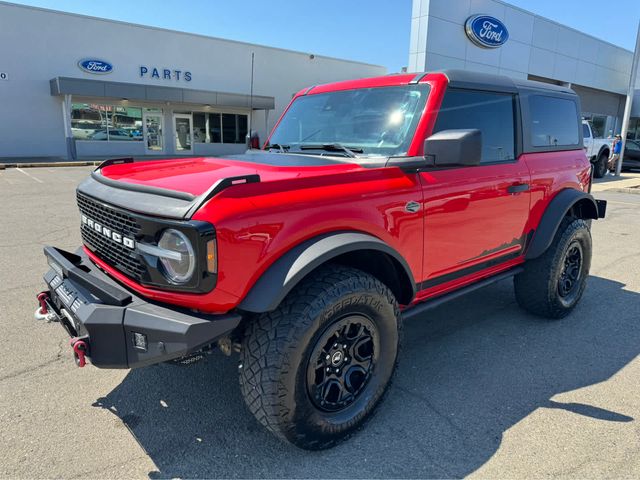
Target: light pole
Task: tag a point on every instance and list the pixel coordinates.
(628, 103)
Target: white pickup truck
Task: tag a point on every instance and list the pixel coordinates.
(597, 149)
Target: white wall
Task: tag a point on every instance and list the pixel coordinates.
(536, 46)
(37, 45)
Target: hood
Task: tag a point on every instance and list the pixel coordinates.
(195, 176)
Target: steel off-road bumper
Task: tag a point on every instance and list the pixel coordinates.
(113, 327)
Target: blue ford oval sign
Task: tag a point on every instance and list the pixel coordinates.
(486, 31)
(92, 65)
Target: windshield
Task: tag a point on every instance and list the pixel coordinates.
(369, 121)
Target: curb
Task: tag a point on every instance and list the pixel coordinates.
(48, 164)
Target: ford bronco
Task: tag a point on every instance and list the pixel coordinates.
(371, 201)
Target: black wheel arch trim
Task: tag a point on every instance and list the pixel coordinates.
(560, 205)
(288, 270)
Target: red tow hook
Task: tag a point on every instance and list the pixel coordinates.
(79, 351)
(42, 298)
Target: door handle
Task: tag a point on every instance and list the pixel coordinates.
(518, 188)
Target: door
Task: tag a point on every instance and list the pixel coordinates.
(183, 129)
(153, 132)
(476, 217)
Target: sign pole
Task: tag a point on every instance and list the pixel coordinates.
(250, 132)
(627, 106)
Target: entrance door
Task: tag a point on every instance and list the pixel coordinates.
(183, 128)
(153, 132)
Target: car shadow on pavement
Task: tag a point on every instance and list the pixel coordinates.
(469, 371)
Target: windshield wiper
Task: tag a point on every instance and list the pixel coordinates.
(277, 146)
(333, 147)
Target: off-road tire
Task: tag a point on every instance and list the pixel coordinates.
(277, 348)
(600, 165)
(538, 288)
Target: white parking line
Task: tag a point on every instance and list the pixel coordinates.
(29, 175)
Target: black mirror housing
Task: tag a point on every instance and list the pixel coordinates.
(461, 147)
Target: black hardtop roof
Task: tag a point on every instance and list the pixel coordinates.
(487, 81)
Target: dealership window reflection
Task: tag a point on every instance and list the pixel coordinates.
(219, 127)
(100, 122)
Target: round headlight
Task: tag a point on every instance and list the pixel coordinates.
(178, 268)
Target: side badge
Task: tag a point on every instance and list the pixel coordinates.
(412, 207)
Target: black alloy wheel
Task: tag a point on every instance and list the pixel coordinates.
(342, 362)
(571, 270)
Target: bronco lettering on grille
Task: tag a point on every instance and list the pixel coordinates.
(107, 232)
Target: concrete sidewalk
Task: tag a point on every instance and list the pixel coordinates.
(627, 182)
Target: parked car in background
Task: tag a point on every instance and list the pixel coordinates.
(597, 149)
(114, 134)
(631, 159)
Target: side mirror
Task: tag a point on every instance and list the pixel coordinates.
(454, 147)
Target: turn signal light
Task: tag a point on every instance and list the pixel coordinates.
(212, 257)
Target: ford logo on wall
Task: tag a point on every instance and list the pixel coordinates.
(92, 65)
(486, 31)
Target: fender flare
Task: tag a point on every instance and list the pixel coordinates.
(288, 270)
(557, 209)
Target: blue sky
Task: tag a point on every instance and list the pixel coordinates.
(373, 31)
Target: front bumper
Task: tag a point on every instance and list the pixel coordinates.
(119, 329)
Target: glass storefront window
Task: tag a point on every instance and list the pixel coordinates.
(634, 129)
(206, 127)
(234, 128)
(87, 120)
(219, 127)
(199, 127)
(126, 123)
(215, 128)
(106, 122)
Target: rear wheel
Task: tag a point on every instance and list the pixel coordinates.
(313, 370)
(552, 284)
(600, 166)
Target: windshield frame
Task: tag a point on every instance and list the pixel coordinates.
(326, 146)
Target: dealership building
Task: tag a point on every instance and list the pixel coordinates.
(527, 46)
(78, 87)
(73, 86)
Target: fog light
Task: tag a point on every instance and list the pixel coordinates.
(140, 341)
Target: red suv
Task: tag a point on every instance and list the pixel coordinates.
(372, 200)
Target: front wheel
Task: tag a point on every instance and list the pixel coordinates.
(552, 284)
(313, 370)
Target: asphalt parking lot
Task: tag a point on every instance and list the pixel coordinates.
(482, 389)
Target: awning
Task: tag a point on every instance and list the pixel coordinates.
(151, 93)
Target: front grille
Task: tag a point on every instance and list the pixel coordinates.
(111, 252)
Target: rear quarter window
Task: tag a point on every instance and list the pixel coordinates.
(554, 122)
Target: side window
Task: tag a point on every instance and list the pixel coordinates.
(554, 121)
(491, 113)
(585, 131)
